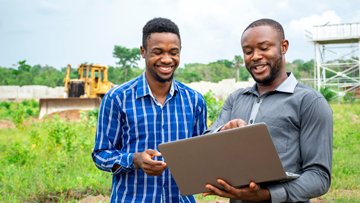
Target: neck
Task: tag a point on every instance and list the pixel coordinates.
(262, 88)
(160, 90)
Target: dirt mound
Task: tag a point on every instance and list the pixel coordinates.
(72, 115)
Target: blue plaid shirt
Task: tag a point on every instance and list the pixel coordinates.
(131, 120)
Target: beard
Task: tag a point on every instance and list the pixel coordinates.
(162, 80)
(274, 71)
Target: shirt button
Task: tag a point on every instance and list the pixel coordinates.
(258, 100)
(251, 121)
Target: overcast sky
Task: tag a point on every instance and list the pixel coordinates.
(59, 32)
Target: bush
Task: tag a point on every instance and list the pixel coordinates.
(349, 97)
(327, 93)
(18, 113)
(213, 107)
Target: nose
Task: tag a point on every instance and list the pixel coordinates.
(166, 59)
(257, 55)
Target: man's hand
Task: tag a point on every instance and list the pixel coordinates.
(144, 160)
(253, 192)
(234, 124)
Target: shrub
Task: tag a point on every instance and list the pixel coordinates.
(349, 97)
(18, 113)
(213, 107)
(327, 93)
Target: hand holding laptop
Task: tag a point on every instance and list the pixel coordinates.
(253, 192)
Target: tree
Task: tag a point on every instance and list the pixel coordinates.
(128, 58)
(238, 62)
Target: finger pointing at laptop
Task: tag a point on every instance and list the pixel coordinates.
(234, 124)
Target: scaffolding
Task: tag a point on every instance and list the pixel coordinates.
(342, 73)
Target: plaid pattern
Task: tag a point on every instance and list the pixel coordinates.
(131, 120)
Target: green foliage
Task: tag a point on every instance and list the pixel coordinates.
(93, 113)
(327, 93)
(349, 97)
(212, 72)
(127, 58)
(18, 113)
(17, 153)
(213, 107)
(31, 171)
(35, 169)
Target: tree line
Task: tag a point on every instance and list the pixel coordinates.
(127, 68)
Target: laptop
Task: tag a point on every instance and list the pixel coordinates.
(238, 156)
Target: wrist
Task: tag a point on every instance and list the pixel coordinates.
(265, 194)
(136, 158)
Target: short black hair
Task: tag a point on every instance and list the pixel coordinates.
(268, 22)
(158, 25)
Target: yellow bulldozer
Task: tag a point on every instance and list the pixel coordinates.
(84, 93)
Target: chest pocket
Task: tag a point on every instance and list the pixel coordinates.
(279, 131)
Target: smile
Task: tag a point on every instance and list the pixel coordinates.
(259, 67)
(165, 69)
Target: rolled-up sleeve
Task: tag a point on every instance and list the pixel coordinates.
(106, 151)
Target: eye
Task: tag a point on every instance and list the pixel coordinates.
(174, 53)
(157, 53)
(264, 49)
(247, 52)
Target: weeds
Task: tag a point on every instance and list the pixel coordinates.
(52, 158)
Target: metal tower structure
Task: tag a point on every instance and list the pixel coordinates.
(342, 72)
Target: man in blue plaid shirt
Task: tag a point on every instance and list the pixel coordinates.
(137, 116)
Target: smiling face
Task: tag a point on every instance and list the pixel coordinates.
(264, 53)
(162, 56)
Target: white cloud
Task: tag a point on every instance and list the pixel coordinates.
(283, 5)
(297, 27)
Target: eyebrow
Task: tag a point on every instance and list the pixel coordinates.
(157, 48)
(263, 42)
(246, 46)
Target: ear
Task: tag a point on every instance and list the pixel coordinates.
(143, 51)
(284, 46)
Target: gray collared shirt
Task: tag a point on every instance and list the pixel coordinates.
(300, 122)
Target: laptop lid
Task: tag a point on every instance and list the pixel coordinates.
(238, 156)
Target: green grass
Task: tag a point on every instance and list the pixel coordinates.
(51, 161)
(40, 163)
(346, 154)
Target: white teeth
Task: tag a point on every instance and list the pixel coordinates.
(258, 67)
(165, 68)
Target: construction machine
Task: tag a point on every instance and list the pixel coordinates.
(84, 93)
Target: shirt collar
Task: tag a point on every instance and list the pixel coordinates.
(287, 86)
(143, 88)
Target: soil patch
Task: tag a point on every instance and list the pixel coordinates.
(72, 115)
(95, 199)
(88, 194)
(6, 124)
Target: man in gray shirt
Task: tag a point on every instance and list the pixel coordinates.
(299, 120)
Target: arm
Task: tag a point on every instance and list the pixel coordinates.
(106, 153)
(316, 136)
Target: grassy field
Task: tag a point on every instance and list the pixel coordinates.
(51, 161)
